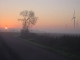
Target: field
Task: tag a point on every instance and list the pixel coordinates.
(3, 51)
(6, 53)
(67, 45)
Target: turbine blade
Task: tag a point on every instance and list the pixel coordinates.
(74, 13)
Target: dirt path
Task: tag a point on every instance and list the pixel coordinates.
(25, 51)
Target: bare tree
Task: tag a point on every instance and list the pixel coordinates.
(28, 19)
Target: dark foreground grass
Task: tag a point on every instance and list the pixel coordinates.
(3, 53)
(7, 53)
(68, 46)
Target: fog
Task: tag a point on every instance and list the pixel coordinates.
(64, 31)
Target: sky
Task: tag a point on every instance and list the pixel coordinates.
(52, 14)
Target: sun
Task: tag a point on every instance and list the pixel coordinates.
(6, 28)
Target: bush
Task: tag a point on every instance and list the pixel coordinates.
(68, 44)
(27, 34)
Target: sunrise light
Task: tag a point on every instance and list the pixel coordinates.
(6, 28)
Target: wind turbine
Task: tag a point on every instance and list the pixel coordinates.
(74, 19)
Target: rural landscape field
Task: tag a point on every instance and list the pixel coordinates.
(39, 30)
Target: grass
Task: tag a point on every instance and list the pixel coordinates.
(6, 52)
(3, 52)
(66, 45)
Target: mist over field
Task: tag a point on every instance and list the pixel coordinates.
(51, 31)
(39, 29)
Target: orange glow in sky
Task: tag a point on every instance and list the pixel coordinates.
(6, 28)
(52, 14)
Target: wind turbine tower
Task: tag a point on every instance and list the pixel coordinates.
(74, 19)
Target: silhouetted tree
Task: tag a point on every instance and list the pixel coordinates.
(29, 19)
